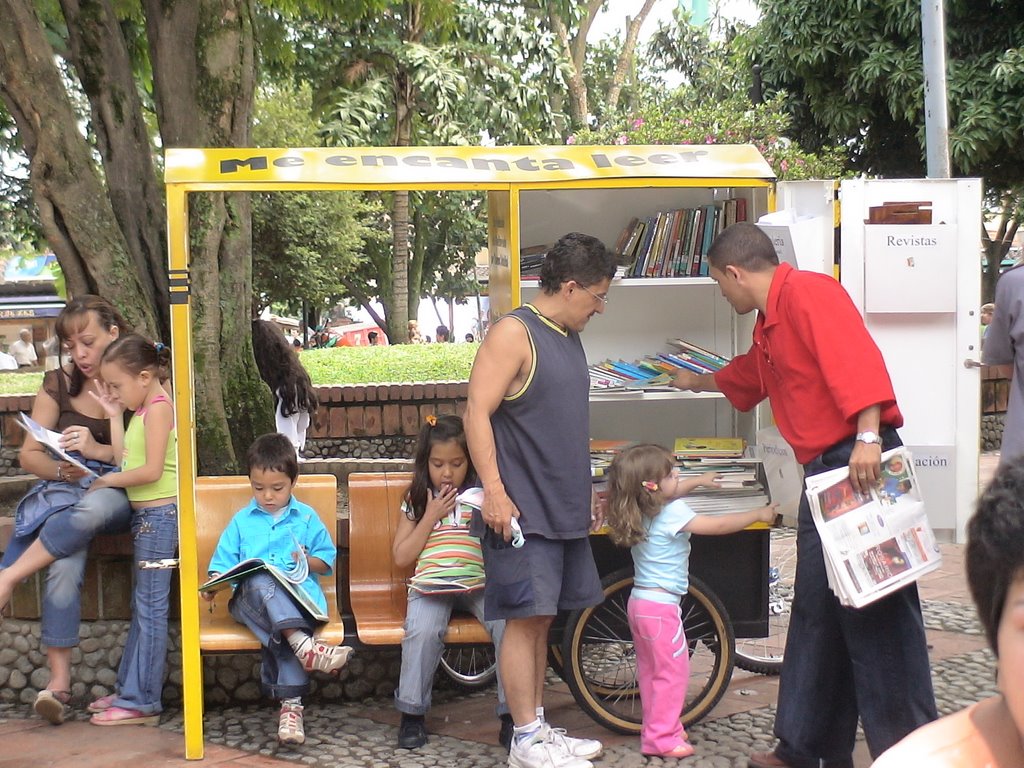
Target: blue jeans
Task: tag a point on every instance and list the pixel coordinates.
(425, 623)
(267, 609)
(841, 663)
(66, 536)
(140, 678)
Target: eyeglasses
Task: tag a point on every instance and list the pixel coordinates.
(602, 298)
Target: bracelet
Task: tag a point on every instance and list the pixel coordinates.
(60, 474)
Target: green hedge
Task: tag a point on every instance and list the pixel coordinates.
(342, 365)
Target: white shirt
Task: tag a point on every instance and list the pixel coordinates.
(24, 352)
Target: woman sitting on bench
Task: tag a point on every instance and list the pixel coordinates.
(56, 520)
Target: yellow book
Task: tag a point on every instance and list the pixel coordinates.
(694, 447)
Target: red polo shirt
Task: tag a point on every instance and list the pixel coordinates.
(814, 360)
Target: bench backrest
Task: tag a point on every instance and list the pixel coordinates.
(377, 587)
(217, 500)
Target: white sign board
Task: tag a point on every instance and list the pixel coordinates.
(909, 268)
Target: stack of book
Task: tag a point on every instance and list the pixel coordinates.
(743, 485)
(694, 358)
(675, 243)
(601, 454)
(653, 372)
(531, 258)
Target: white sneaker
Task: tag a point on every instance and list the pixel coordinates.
(585, 749)
(541, 751)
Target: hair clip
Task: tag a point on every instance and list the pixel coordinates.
(160, 347)
(649, 485)
(431, 419)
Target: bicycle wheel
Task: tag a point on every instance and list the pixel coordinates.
(764, 654)
(600, 662)
(471, 666)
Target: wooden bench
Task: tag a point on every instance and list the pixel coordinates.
(217, 500)
(377, 587)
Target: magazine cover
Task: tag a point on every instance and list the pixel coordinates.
(877, 542)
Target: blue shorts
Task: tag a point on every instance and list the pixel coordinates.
(541, 578)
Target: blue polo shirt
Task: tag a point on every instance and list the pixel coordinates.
(254, 533)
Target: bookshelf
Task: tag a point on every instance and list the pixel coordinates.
(644, 312)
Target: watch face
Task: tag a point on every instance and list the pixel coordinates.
(868, 437)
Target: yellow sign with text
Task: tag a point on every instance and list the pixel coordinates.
(437, 167)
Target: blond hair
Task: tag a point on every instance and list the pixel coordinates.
(629, 500)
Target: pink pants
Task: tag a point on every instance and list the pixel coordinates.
(663, 671)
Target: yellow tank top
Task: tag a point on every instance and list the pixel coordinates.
(135, 456)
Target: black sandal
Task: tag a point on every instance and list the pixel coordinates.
(52, 706)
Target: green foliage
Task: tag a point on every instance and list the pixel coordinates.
(389, 365)
(306, 245)
(733, 121)
(15, 383)
(854, 70)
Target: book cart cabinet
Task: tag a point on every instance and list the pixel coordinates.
(534, 195)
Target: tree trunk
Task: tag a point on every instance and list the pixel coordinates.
(575, 50)
(624, 64)
(104, 68)
(203, 75)
(77, 217)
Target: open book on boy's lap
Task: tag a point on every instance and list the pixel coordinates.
(255, 565)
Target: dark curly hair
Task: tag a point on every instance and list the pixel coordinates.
(279, 366)
(995, 546)
(578, 257)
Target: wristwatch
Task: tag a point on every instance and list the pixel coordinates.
(868, 437)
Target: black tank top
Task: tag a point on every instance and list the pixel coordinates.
(541, 433)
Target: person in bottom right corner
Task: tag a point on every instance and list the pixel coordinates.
(646, 513)
(988, 734)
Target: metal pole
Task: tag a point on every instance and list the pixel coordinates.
(936, 118)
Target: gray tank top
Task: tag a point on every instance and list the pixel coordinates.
(542, 434)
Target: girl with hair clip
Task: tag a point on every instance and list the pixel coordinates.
(295, 399)
(646, 513)
(433, 532)
(133, 370)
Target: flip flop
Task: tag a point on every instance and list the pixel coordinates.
(119, 716)
(102, 704)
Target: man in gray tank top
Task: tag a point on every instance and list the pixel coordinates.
(527, 422)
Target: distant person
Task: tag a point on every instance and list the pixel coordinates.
(23, 350)
(414, 333)
(51, 353)
(987, 310)
(295, 399)
(276, 527)
(1002, 347)
(989, 733)
(373, 338)
(443, 334)
(470, 338)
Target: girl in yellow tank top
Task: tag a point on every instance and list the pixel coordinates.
(133, 370)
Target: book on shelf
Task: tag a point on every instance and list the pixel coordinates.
(258, 565)
(901, 213)
(673, 243)
(713, 359)
(708, 447)
(741, 485)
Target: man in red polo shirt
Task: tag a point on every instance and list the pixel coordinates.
(833, 401)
